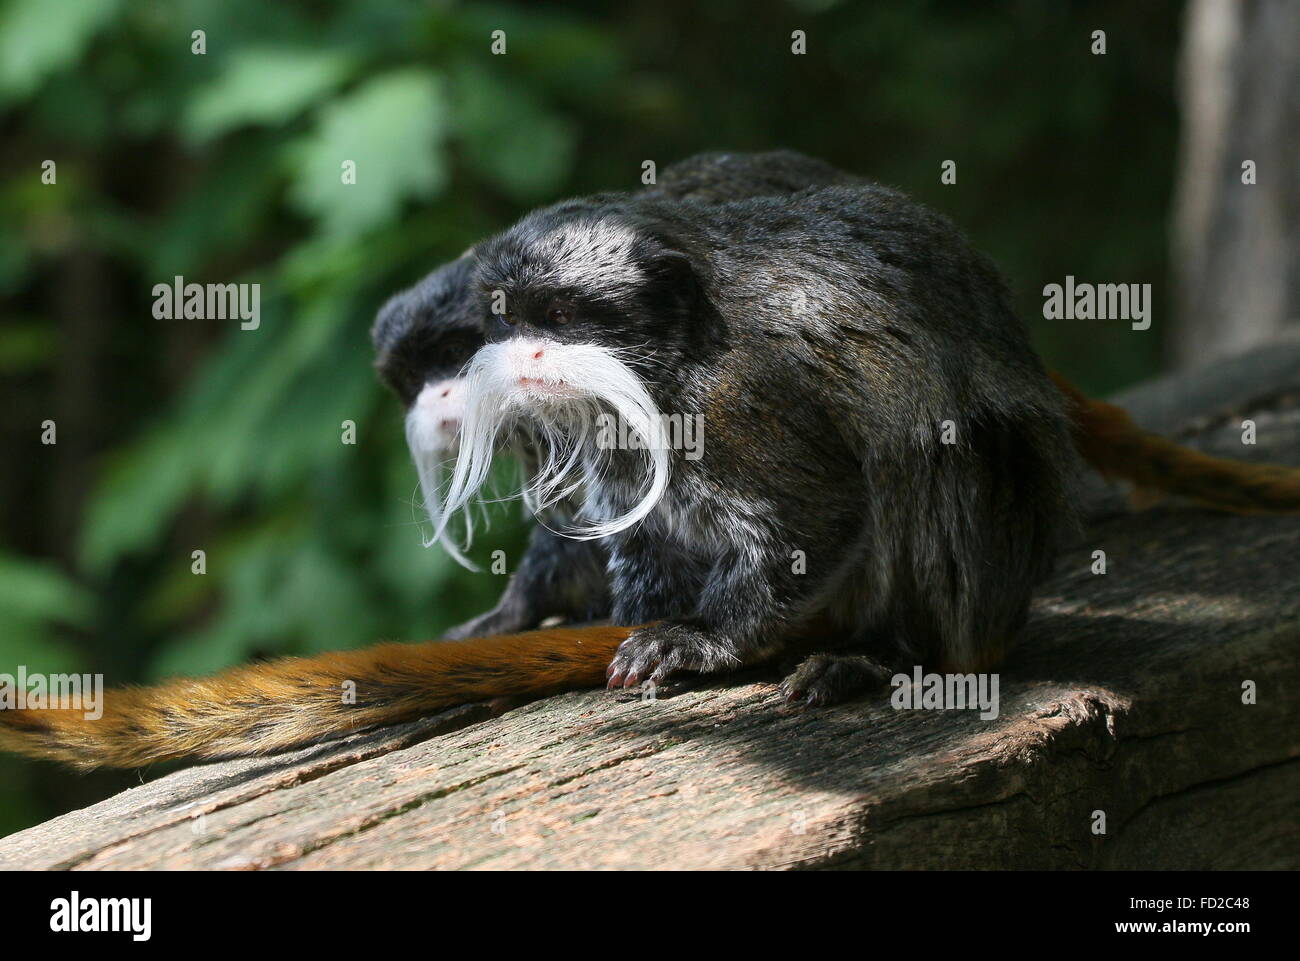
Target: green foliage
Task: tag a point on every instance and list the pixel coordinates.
(35, 600)
(391, 128)
(263, 85)
(34, 44)
(523, 151)
(176, 436)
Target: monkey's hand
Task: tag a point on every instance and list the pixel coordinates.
(656, 652)
(557, 578)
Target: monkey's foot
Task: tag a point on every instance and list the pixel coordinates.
(824, 679)
(656, 652)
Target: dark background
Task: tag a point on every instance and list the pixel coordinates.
(192, 434)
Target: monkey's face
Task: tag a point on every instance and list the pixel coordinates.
(433, 425)
(434, 418)
(553, 283)
(584, 317)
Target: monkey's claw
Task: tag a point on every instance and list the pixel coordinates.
(825, 679)
(656, 653)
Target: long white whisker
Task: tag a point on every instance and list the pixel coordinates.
(552, 393)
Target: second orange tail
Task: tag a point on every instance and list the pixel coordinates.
(1109, 440)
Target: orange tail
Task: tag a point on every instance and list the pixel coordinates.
(1109, 440)
(293, 701)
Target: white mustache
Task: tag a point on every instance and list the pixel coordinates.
(553, 393)
(432, 432)
(431, 452)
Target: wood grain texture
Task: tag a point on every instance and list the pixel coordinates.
(1125, 697)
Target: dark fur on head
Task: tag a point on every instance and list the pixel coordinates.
(827, 338)
(636, 290)
(721, 177)
(430, 330)
(427, 332)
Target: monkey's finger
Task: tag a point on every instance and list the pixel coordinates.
(645, 663)
(674, 662)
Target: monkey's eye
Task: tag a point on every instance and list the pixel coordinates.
(508, 318)
(560, 315)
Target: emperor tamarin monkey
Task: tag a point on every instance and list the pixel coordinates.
(423, 336)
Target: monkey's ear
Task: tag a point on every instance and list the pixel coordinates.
(675, 261)
(676, 272)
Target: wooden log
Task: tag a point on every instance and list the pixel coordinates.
(1125, 698)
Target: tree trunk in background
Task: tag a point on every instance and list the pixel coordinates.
(1236, 247)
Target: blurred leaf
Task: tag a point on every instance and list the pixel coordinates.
(20, 804)
(248, 570)
(34, 44)
(263, 85)
(392, 128)
(34, 597)
(510, 137)
(135, 499)
(225, 207)
(25, 344)
(15, 260)
(74, 108)
(261, 415)
(30, 590)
